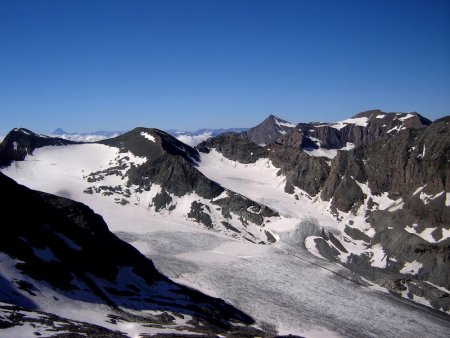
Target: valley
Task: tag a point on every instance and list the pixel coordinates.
(235, 219)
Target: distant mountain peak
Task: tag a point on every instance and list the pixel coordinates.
(59, 131)
(269, 131)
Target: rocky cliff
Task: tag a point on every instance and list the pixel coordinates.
(390, 194)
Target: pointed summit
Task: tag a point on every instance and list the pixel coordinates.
(271, 130)
(59, 131)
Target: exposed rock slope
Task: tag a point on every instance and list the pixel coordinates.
(410, 169)
(362, 129)
(271, 130)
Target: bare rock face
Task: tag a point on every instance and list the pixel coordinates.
(301, 170)
(399, 165)
(340, 185)
(412, 159)
(413, 168)
(270, 131)
(21, 142)
(235, 147)
(362, 129)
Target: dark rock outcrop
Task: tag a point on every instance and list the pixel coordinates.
(152, 144)
(270, 131)
(398, 165)
(361, 130)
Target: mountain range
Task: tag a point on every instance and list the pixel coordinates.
(366, 199)
(191, 138)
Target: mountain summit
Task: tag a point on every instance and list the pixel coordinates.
(271, 130)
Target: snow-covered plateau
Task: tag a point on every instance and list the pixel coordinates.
(282, 286)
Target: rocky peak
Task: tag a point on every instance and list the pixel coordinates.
(21, 142)
(152, 143)
(270, 131)
(59, 131)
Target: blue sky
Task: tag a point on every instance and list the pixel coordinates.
(115, 65)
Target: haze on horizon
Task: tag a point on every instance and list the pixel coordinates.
(114, 65)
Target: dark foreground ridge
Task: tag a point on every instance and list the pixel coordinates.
(63, 245)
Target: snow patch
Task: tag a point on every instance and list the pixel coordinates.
(148, 136)
(348, 146)
(380, 116)
(323, 152)
(370, 232)
(23, 131)
(426, 198)
(260, 182)
(396, 128)
(284, 124)
(315, 140)
(310, 245)
(411, 268)
(378, 256)
(407, 116)
(424, 150)
(418, 190)
(359, 121)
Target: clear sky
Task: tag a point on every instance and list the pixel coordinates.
(114, 65)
